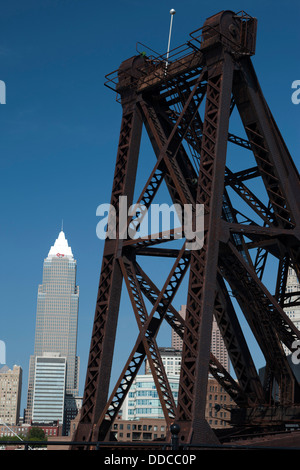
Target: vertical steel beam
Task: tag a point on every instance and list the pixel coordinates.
(203, 274)
(110, 284)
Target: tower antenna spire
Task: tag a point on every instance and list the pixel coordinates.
(172, 13)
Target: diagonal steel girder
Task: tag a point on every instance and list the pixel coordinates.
(149, 329)
(150, 346)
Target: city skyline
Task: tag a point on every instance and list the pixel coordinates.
(60, 127)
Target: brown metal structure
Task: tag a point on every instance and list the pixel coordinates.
(186, 106)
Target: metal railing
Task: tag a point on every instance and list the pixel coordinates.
(138, 446)
(156, 62)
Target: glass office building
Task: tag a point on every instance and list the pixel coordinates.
(49, 388)
(57, 316)
(142, 400)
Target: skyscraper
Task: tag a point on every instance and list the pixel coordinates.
(49, 388)
(176, 341)
(218, 347)
(57, 316)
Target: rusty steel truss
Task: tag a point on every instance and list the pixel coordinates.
(186, 106)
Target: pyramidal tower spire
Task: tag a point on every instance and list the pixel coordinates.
(61, 248)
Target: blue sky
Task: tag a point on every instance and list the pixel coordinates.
(59, 134)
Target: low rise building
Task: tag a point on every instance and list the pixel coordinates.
(144, 429)
(218, 405)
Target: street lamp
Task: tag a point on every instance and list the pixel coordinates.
(172, 13)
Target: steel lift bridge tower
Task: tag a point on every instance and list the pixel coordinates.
(251, 219)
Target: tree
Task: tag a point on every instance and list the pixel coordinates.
(36, 434)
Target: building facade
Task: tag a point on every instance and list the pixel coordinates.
(142, 400)
(218, 405)
(12, 430)
(293, 312)
(57, 317)
(144, 429)
(142, 418)
(171, 359)
(23, 430)
(49, 388)
(72, 407)
(218, 347)
(176, 341)
(292, 285)
(10, 394)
